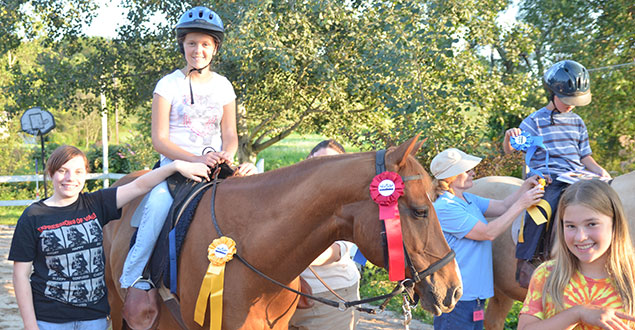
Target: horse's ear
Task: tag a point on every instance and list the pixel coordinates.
(413, 147)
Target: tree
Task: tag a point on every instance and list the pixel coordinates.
(599, 35)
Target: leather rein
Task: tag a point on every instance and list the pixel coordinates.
(403, 285)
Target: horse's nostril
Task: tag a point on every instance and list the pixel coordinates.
(458, 292)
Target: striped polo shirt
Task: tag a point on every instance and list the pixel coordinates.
(566, 140)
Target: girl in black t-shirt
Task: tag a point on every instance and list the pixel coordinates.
(58, 269)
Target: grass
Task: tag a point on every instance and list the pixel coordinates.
(9, 214)
(291, 150)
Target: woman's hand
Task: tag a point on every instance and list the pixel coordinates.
(213, 158)
(529, 183)
(193, 171)
(531, 197)
(246, 169)
(605, 318)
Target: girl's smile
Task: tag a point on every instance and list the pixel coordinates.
(588, 236)
(199, 50)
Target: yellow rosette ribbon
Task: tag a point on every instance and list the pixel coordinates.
(219, 252)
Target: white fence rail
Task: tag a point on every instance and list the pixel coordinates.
(29, 178)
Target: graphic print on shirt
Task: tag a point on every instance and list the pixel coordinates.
(202, 118)
(74, 257)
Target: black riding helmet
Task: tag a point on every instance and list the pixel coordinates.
(569, 80)
(200, 19)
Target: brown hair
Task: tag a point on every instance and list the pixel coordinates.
(330, 143)
(600, 197)
(61, 155)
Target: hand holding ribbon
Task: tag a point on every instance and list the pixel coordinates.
(528, 144)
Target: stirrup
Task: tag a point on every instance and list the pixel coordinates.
(140, 279)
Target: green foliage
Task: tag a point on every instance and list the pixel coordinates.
(598, 34)
(374, 282)
(372, 73)
(511, 321)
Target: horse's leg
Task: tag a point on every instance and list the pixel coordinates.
(506, 289)
(116, 304)
(497, 309)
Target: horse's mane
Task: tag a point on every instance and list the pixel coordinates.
(305, 172)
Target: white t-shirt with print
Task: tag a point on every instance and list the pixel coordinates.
(195, 126)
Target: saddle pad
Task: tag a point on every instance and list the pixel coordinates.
(515, 229)
(160, 257)
(159, 261)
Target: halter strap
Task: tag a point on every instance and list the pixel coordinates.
(416, 276)
(380, 166)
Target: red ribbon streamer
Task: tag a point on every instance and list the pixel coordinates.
(385, 190)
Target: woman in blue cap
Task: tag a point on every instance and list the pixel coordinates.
(469, 234)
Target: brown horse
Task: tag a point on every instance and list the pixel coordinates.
(506, 289)
(281, 221)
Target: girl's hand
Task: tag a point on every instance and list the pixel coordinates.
(605, 318)
(213, 158)
(246, 169)
(193, 171)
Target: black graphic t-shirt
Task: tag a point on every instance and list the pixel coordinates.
(65, 246)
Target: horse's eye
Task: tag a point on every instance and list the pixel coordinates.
(420, 212)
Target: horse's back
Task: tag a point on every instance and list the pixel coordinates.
(624, 185)
(495, 187)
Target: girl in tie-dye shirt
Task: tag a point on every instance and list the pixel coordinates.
(590, 284)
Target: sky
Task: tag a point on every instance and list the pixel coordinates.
(111, 15)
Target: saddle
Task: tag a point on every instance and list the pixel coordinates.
(141, 307)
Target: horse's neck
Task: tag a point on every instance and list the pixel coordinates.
(295, 209)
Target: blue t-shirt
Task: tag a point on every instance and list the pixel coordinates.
(457, 219)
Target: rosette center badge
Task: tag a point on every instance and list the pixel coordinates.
(386, 187)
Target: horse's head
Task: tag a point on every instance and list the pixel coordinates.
(438, 282)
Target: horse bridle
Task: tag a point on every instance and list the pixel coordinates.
(403, 285)
(416, 276)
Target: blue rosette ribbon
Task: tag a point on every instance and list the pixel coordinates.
(528, 143)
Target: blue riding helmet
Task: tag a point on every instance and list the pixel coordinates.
(200, 19)
(569, 80)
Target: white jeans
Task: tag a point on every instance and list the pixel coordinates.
(154, 214)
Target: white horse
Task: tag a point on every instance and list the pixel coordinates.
(506, 290)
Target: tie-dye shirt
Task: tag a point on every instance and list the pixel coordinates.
(581, 290)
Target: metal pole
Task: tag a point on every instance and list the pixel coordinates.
(104, 137)
(43, 166)
(37, 182)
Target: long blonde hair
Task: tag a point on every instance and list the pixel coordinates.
(443, 185)
(600, 197)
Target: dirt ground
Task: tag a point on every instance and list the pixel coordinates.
(11, 316)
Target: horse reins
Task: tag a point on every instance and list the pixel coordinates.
(416, 277)
(403, 285)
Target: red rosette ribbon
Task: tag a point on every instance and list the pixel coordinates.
(385, 190)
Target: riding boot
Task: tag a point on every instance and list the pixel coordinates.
(525, 268)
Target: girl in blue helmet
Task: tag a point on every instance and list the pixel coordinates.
(193, 108)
